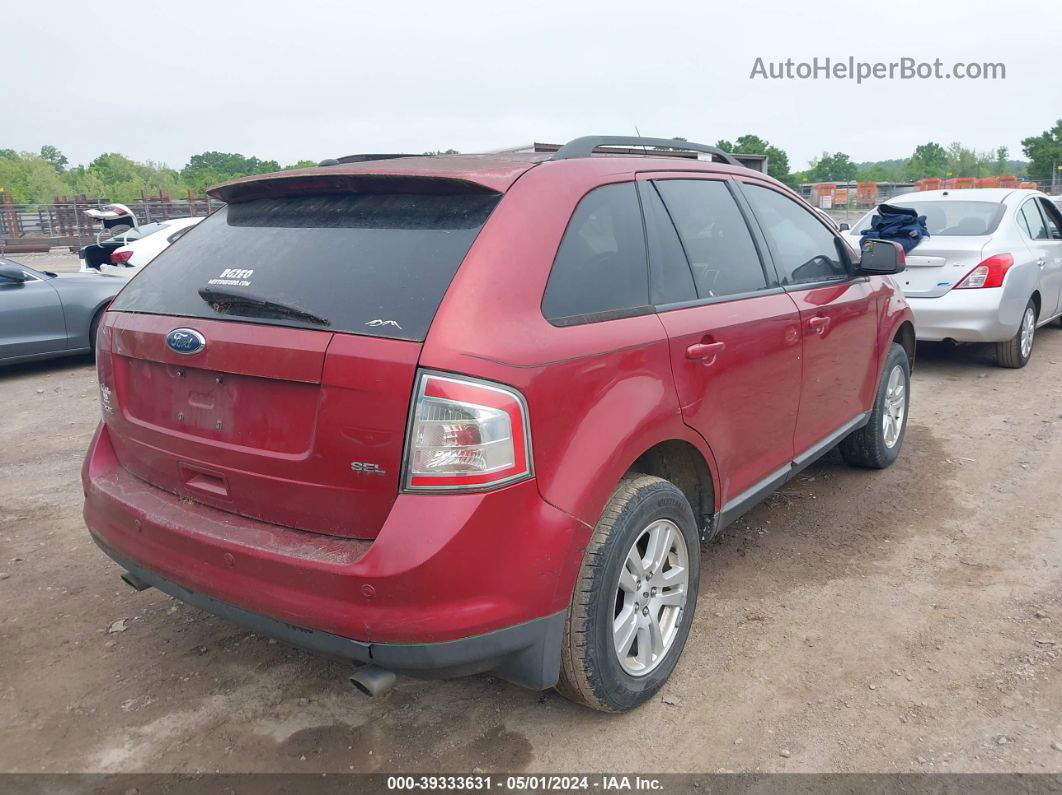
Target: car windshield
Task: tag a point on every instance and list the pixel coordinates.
(948, 218)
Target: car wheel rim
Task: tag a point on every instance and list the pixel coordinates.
(1028, 330)
(650, 597)
(895, 407)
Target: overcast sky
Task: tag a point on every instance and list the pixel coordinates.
(312, 79)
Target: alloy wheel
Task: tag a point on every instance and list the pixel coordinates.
(650, 597)
(895, 407)
(1028, 330)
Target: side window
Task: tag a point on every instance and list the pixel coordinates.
(670, 277)
(715, 236)
(1053, 218)
(1033, 222)
(804, 249)
(601, 264)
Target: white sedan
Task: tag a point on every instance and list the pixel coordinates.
(990, 271)
(154, 238)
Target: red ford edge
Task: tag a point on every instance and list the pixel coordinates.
(445, 415)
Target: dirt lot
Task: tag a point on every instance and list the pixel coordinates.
(860, 621)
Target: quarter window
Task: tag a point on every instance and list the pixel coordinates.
(715, 237)
(601, 265)
(804, 249)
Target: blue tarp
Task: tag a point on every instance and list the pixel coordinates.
(899, 224)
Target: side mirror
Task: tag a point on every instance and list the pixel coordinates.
(844, 227)
(881, 257)
(11, 274)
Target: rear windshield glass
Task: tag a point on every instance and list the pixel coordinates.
(372, 264)
(958, 218)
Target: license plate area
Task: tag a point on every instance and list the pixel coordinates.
(241, 410)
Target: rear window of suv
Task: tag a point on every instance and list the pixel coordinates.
(376, 264)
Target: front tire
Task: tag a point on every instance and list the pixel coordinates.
(635, 597)
(1016, 352)
(877, 444)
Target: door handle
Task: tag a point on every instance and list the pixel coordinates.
(819, 324)
(705, 351)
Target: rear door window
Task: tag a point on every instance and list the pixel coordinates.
(670, 277)
(1032, 221)
(715, 237)
(1053, 219)
(376, 264)
(601, 270)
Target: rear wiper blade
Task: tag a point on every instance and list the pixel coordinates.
(231, 302)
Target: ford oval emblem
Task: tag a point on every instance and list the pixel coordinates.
(185, 341)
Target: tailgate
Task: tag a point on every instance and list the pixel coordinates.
(265, 421)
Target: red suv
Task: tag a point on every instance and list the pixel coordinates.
(446, 415)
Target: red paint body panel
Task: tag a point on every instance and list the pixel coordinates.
(840, 368)
(755, 375)
(316, 545)
(411, 584)
(266, 421)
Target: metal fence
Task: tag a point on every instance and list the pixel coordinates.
(63, 223)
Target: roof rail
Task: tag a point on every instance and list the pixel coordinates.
(335, 161)
(585, 146)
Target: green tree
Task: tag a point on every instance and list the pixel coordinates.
(777, 159)
(1001, 167)
(55, 157)
(1044, 152)
(966, 162)
(928, 160)
(209, 168)
(882, 171)
(301, 164)
(837, 167)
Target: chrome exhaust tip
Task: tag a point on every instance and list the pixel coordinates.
(373, 680)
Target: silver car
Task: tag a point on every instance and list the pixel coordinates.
(991, 270)
(43, 314)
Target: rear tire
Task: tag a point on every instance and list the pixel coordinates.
(877, 444)
(1016, 352)
(608, 609)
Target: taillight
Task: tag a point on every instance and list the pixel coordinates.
(121, 257)
(466, 435)
(989, 273)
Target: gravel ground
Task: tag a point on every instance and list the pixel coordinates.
(59, 260)
(905, 620)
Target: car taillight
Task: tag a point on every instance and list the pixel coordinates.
(989, 273)
(121, 257)
(466, 435)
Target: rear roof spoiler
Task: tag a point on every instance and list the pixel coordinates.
(335, 161)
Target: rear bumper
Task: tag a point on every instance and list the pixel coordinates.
(453, 584)
(527, 654)
(991, 314)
